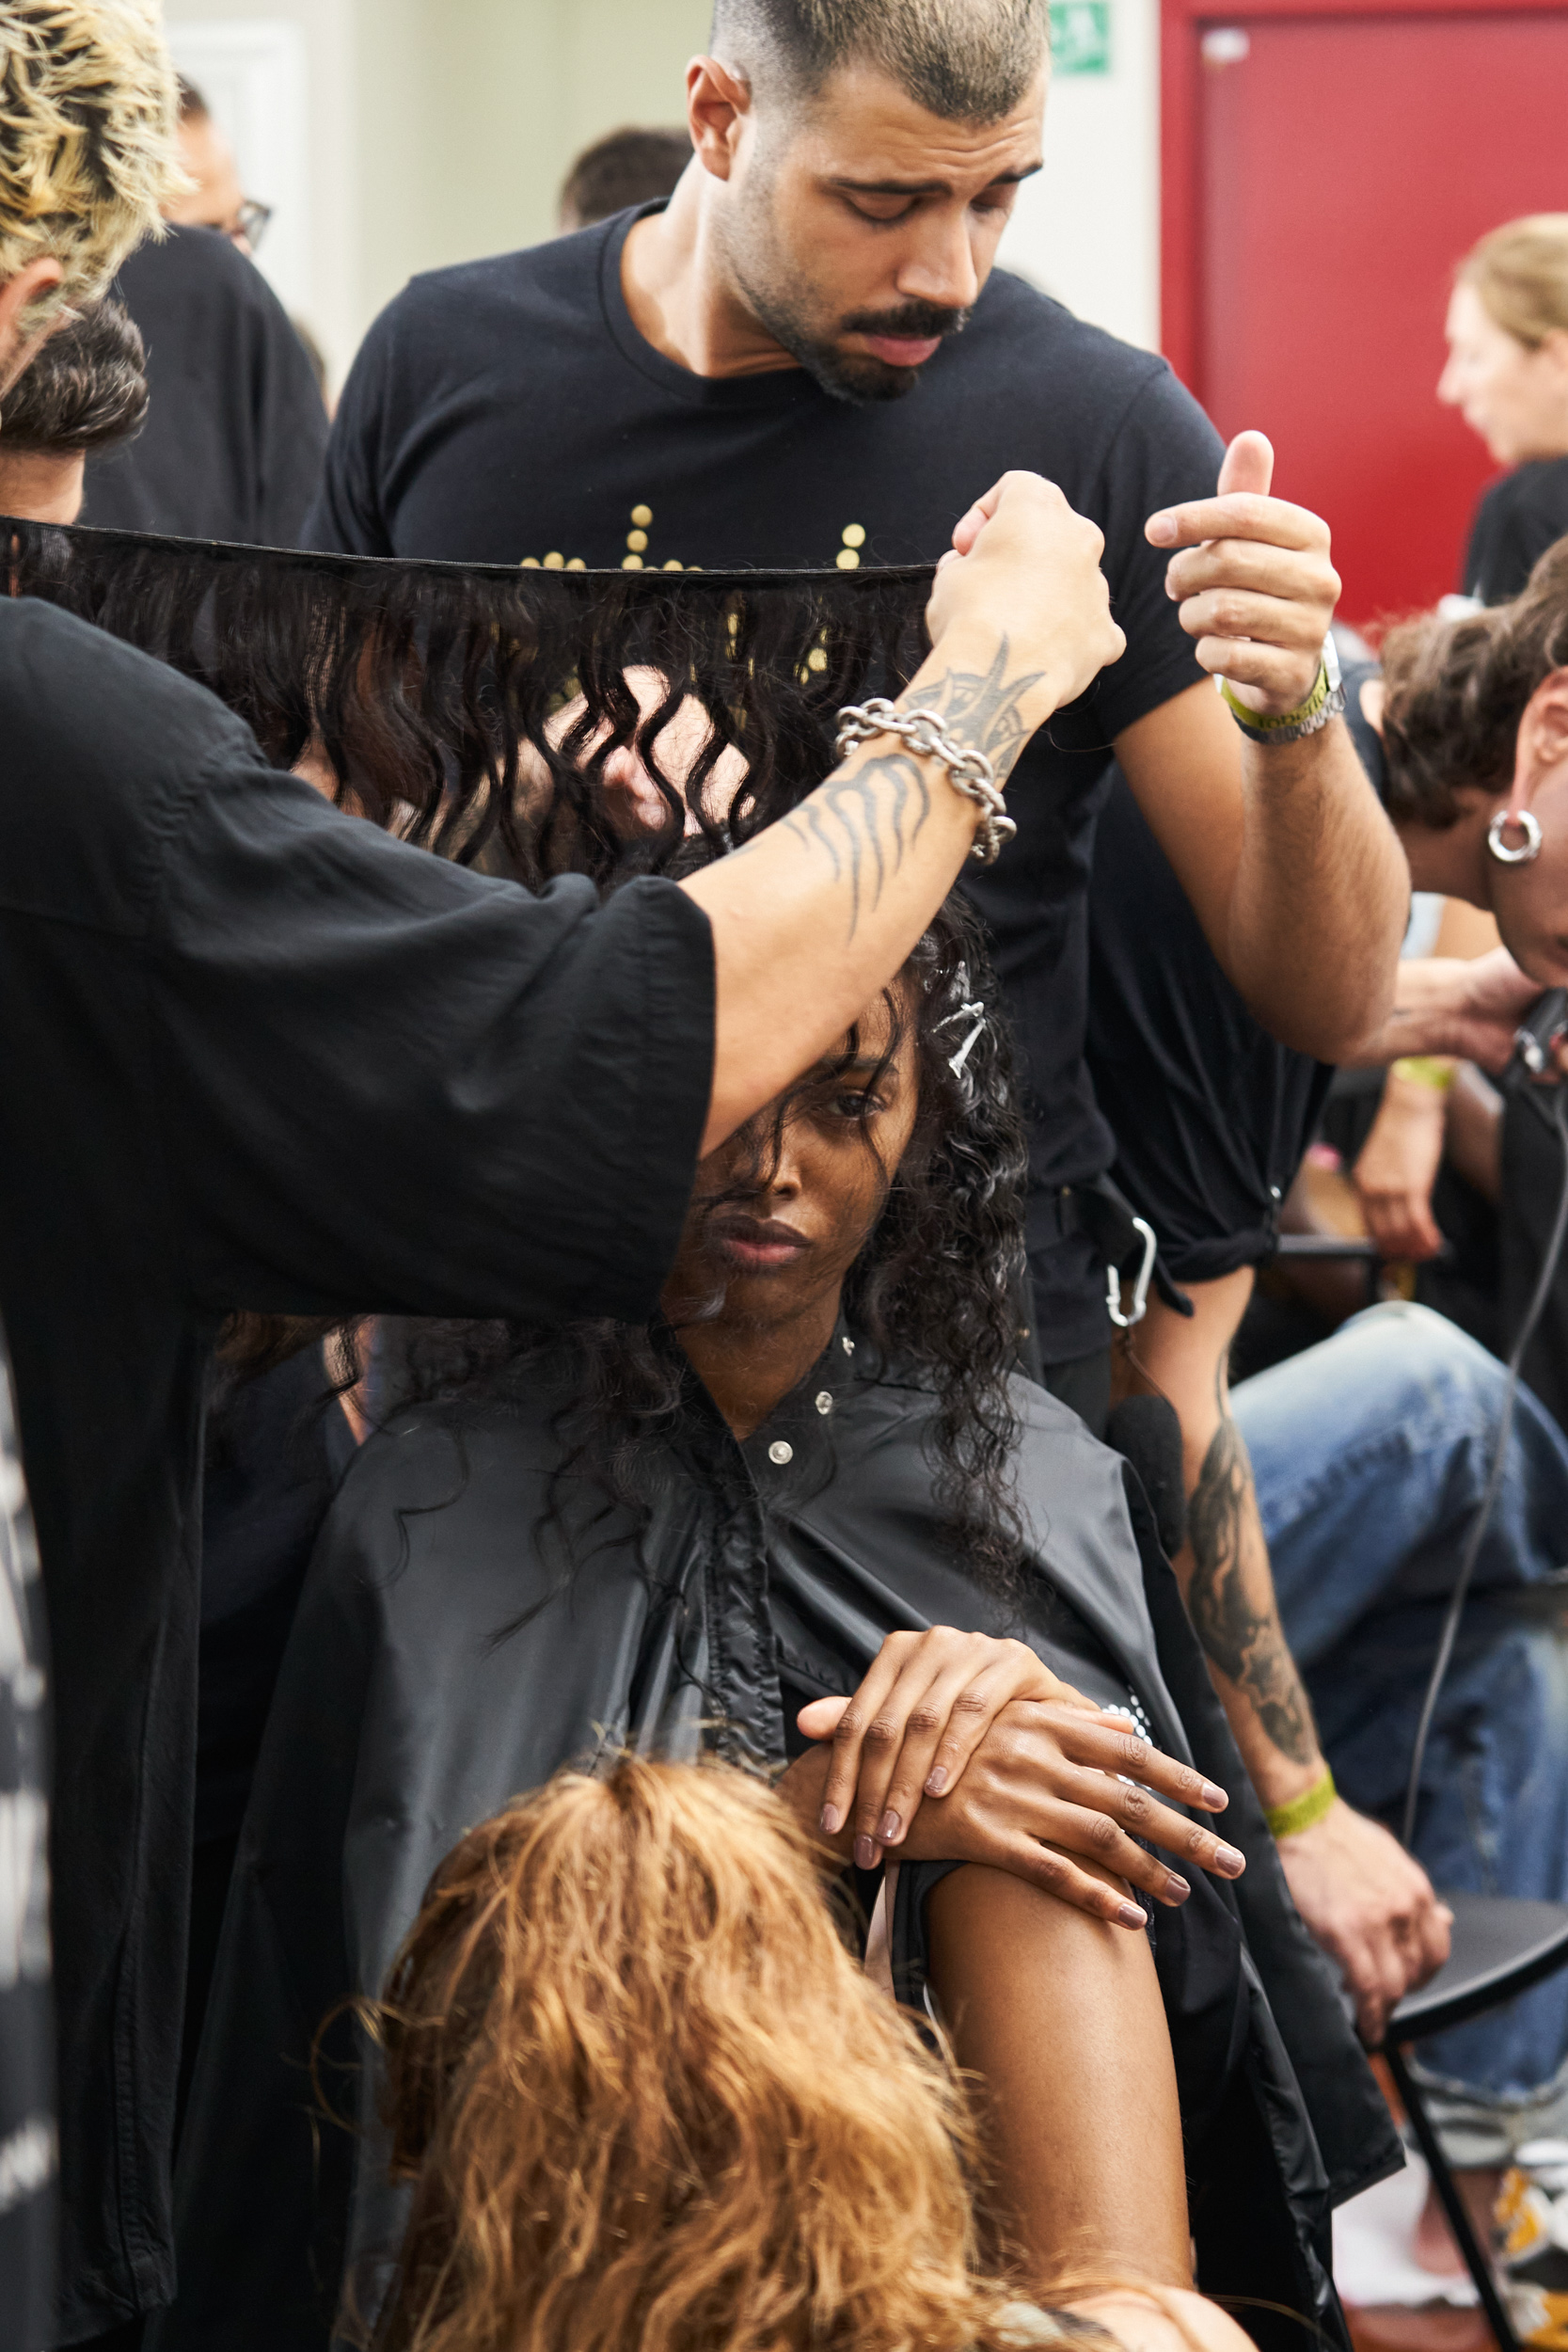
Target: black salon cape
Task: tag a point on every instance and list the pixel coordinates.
(401, 1720)
(256, 1054)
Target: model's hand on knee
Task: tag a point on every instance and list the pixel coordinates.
(920, 1714)
(1370, 1907)
(1398, 1167)
(1031, 1797)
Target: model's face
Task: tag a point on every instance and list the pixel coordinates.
(860, 228)
(1530, 902)
(1514, 397)
(774, 1231)
(217, 200)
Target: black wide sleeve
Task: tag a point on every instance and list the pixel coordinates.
(384, 1083)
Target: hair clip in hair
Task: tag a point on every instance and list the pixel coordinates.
(976, 1014)
(1529, 824)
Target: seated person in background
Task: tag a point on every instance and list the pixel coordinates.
(643, 1963)
(1371, 1449)
(85, 395)
(625, 169)
(236, 428)
(794, 1518)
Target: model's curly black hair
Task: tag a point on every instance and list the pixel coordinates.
(934, 1293)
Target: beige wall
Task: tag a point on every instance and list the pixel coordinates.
(441, 128)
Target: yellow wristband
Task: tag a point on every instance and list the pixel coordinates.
(1426, 1069)
(1322, 689)
(1285, 1821)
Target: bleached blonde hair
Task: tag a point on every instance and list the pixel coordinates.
(90, 114)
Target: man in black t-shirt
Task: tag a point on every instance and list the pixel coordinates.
(770, 370)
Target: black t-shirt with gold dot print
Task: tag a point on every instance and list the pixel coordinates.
(508, 411)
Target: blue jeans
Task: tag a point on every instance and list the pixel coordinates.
(1370, 1455)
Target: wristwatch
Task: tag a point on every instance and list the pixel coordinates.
(1325, 701)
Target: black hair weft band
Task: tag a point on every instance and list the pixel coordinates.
(428, 688)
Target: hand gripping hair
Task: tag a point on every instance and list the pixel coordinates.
(488, 715)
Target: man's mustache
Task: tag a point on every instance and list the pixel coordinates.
(916, 320)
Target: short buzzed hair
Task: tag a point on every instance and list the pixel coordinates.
(967, 60)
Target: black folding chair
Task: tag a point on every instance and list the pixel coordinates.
(1502, 1947)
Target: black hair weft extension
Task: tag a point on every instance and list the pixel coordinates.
(429, 689)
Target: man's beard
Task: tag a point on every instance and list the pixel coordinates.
(853, 376)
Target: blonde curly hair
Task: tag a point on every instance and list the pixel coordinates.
(89, 113)
(645, 2096)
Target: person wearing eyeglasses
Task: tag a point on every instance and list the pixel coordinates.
(236, 425)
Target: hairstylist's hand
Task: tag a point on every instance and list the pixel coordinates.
(1024, 575)
(921, 1712)
(1398, 1167)
(1046, 1782)
(1253, 580)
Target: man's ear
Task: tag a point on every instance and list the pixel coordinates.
(17, 295)
(1541, 746)
(717, 105)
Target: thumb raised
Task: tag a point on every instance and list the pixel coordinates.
(1248, 465)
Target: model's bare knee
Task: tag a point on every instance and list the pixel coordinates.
(1061, 2018)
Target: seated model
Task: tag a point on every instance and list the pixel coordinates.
(704, 1533)
(643, 2096)
(1359, 1464)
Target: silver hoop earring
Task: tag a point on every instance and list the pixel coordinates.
(1528, 849)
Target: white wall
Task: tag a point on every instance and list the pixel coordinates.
(1087, 228)
(283, 82)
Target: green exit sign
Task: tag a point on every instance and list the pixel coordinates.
(1081, 36)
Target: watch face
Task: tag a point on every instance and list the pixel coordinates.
(1331, 660)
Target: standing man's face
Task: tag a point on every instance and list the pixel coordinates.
(859, 227)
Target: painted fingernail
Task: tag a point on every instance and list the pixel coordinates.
(831, 1821)
(865, 1853)
(1214, 1797)
(1176, 1889)
(1129, 1915)
(936, 1780)
(1228, 1860)
(888, 1830)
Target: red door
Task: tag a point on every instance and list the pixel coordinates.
(1324, 169)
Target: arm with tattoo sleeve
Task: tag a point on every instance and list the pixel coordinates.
(1368, 1904)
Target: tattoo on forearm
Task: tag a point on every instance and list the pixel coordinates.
(983, 711)
(1243, 1639)
(863, 822)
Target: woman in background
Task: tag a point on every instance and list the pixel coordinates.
(1507, 373)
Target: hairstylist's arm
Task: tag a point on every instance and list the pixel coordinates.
(1292, 867)
(818, 912)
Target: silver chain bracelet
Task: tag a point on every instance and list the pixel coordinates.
(923, 731)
